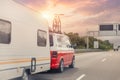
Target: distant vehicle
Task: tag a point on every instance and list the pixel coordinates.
(62, 53)
(24, 42)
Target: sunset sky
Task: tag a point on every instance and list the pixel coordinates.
(79, 15)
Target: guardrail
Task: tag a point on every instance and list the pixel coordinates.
(87, 50)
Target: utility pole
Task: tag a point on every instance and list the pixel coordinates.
(87, 37)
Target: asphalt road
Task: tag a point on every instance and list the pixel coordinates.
(89, 66)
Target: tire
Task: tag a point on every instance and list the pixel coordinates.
(61, 66)
(115, 49)
(25, 76)
(72, 65)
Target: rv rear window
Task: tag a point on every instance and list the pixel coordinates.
(5, 31)
(41, 38)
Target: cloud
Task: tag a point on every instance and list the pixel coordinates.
(37, 5)
(80, 15)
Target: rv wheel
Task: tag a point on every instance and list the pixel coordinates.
(25, 76)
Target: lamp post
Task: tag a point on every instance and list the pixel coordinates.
(87, 40)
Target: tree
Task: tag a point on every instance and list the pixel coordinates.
(81, 42)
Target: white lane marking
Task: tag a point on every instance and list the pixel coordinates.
(103, 60)
(81, 77)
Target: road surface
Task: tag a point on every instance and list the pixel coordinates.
(89, 66)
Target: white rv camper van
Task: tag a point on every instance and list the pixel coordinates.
(24, 42)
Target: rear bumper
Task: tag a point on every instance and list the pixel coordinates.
(54, 63)
(54, 66)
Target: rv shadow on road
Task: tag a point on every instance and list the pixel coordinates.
(52, 75)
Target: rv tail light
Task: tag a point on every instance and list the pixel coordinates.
(54, 54)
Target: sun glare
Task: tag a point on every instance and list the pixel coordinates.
(47, 16)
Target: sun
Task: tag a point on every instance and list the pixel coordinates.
(47, 15)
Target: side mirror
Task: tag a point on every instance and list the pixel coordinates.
(69, 46)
